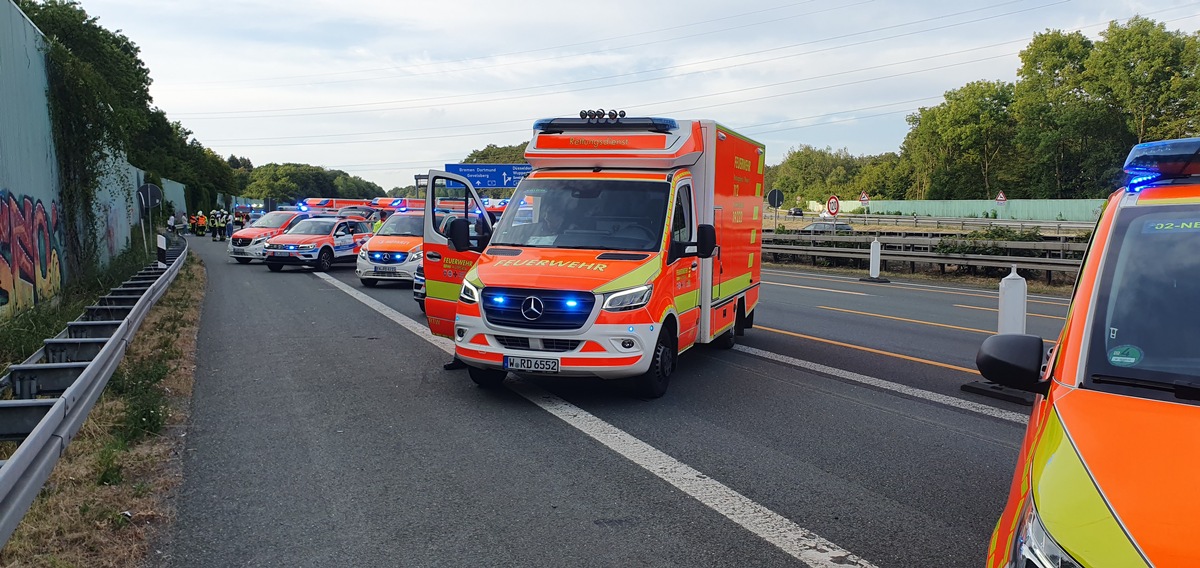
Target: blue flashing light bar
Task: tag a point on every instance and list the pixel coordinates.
(303, 207)
(1163, 160)
(559, 125)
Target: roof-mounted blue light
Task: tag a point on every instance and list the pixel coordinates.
(602, 123)
(1163, 160)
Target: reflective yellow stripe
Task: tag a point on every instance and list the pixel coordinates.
(636, 277)
(731, 286)
(442, 290)
(1070, 506)
(687, 301)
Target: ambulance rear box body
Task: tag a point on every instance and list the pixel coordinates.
(630, 242)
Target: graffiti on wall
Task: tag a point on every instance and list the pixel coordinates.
(31, 252)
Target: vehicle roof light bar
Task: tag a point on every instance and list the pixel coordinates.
(600, 121)
(1163, 160)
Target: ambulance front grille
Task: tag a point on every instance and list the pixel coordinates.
(537, 309)
(239, 242)
(548, 344)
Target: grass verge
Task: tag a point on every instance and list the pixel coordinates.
(108, 494)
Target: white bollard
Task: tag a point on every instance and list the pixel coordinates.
(876, 253)
(1012, 303)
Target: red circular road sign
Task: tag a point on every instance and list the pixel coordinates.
(833, 205)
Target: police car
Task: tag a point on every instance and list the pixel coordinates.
(318, 242)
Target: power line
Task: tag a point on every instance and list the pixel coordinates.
(441, 101)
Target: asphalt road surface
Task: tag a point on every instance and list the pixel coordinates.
(324, 432)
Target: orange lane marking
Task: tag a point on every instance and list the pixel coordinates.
(996, 310)
(815, 288)
(895, 287)
(869, 350)
(906, 320)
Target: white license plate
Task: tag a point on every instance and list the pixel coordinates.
(281, 253)
(239, 250)
(391, 269)
(530, 365)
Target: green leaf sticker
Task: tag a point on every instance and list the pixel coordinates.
(1125, 356)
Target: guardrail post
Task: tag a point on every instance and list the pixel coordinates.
(1012, 303)
(876, 252)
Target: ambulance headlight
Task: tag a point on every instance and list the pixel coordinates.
(469, 293)
(414, 254)
(362, 253)
(630, 299)
(259, 240)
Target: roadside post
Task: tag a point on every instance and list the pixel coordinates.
(774, 199)
(876, 254)
(1011, 320)
(1013, 291)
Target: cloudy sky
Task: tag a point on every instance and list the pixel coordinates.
(386, 89)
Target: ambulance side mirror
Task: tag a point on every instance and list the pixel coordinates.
(460, 235)
(706, 240)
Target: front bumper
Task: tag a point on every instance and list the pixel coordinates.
(387, 271)
(595, 351)
(305, 257)
(255, 252)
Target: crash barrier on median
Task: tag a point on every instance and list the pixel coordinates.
(965, 223)
(1053, 256)
(55, 389)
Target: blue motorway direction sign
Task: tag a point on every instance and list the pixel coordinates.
(486, 176)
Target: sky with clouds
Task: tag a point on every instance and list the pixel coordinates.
(386, 89)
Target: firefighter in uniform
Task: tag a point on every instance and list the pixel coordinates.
(201, 225)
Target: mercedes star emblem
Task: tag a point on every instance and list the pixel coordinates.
(532, 308)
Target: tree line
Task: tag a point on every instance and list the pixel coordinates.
(1061, 130)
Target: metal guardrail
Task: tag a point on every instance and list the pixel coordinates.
(960, 223)
(73, 368)
(913, 243)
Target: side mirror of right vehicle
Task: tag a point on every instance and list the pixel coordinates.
(460, 234)
(706, 240)
(1013, 360)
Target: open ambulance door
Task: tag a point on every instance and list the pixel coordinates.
(457, 228)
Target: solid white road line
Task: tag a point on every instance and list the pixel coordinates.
(888, 385)
(791, 538)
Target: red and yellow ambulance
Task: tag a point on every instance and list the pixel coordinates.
(631, 241)
(1105, 475)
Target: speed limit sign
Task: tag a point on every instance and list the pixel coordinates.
(833, 205)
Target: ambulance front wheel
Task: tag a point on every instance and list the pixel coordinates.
(487, 378)
(368, 282)
(421, 304)
(653, 384)
(324, 260)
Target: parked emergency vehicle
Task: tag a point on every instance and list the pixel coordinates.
(329, 203)
(394, 252)
(318, 242)
(248, 244)
(399, 204)
(612, 273)
(1106, 472)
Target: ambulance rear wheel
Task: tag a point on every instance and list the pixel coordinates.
(368, 282)
(487, 378)
(421, 304)
(654, 383)
(274, 266)
(242, 260)
(324, 260)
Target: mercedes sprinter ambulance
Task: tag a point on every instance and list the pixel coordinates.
(632, 240)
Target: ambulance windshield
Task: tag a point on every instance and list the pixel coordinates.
(273, 220)
(312, 227)
(1147, 317)
(403, 225)
(585, 214)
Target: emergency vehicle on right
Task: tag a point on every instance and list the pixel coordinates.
(1107, 471)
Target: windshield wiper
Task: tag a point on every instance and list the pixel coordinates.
(1186, 390)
